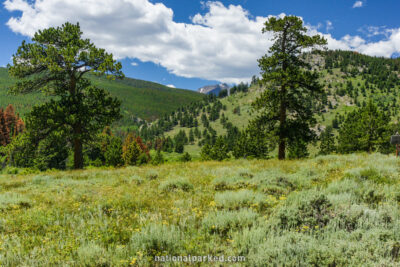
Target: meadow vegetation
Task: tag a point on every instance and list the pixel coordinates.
(336, 210)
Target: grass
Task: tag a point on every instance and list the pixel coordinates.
(327, 211)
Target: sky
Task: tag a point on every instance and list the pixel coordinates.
(189, 43)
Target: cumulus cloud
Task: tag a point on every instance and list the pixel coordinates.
(371, 31)
(358, 4)
(171, 85)
(221, 44)
(134, 64)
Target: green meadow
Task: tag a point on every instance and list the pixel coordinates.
(326, 211)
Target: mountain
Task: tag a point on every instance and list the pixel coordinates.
(350, 79)
(143, 99)
(213, 89)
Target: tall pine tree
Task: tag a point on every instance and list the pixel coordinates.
(56, 63)
(292, 90)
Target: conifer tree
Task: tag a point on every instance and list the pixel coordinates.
(131, 150)
(365, 129)
(254, 141)
(56, 63)
(327, 145)
(191, 136)
(291, 87)
(158, 159)
(219, 151)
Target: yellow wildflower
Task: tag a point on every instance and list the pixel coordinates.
(133, 261)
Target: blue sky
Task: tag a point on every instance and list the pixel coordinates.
(190, 43)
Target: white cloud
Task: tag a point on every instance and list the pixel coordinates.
(134, 64)
(171, 85)
(222, 44)
(371, 31)
(358, 4)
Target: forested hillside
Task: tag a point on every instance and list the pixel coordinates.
(140, 99)
(350, 80)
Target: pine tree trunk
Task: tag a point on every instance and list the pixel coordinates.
(282, 125)
(282, 111)
(77, 130)
(78, 155)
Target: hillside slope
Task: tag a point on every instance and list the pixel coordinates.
(143, 99)
(349, 79)
(327, 211)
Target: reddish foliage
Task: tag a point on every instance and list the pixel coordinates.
(10, 125)
(143, 147)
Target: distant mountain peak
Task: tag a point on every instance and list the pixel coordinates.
(213, 89)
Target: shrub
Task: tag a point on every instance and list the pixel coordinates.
(370, 174)
(158, 159)
(13, 200)
(369, 196)
(134, 152)
(143, 159)
(278, 186)
(306, 214)
(152, 175)
(186, 157)
(176, 184)
(41, 180)
(155, 239)
(20, 152)
(113, 153)
(229, 183)
(246, 174)
(90, 254)
(243, 198)
(221, 222)
(137, 179)
(249, 239)
(51, 152)
(348, 220)
(131, 153)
